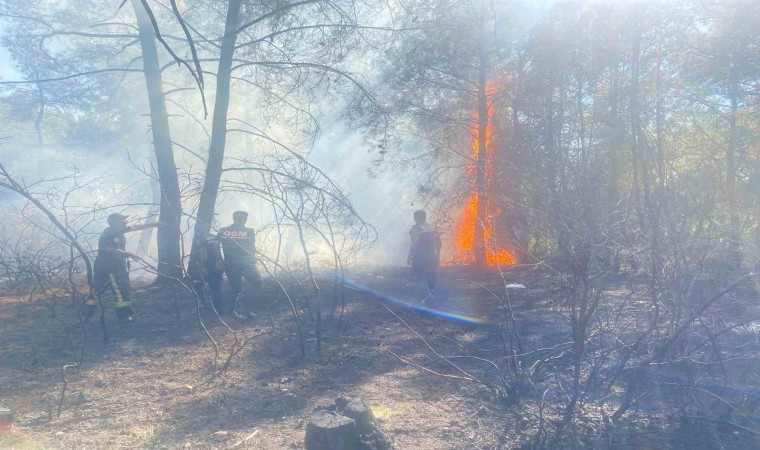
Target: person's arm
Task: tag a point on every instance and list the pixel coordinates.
(415, 239)
(108, 244)
(117, 251)
(144, 226)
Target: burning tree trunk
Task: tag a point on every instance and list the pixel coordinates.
(475, 239)
(480, 169)
(169, 260)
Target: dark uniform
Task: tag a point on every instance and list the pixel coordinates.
(239, 246)
(207, 269)
(424, 253)
(111, 273)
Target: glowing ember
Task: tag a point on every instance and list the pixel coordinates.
(465, 227)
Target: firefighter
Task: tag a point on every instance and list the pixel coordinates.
(239, 247)
(424, 250)
(111, 266)
(206, 268)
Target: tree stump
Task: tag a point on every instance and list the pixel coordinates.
(330, 431)
(348, 424)
(356, 409)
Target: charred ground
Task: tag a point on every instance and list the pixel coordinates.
(433, 382)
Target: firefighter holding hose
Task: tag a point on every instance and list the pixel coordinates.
(111, 271)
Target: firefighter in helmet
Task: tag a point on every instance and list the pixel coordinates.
(239, 247)
(111, 266)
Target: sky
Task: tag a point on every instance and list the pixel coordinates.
(6, 68)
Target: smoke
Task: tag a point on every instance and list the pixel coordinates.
(384, 199)
(108, 156)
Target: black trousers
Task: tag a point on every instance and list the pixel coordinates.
(214, 282)
(115, 280)
(239, 270)
(425, 269)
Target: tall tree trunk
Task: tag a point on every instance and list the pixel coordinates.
(734, 235)
(482, 158)
(515, 169)
(213, 177)
(153, 212)
(169, 259)
(659, 204)
(615, 143)
(554, 208)
(635, 116)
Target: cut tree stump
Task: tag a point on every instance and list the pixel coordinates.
(356, 409)
(348, 424)
(331, 431)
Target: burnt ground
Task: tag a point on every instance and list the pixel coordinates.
(155, 383)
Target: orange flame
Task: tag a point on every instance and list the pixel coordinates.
(465, 227)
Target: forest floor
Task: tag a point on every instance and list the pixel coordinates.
(155, 383)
